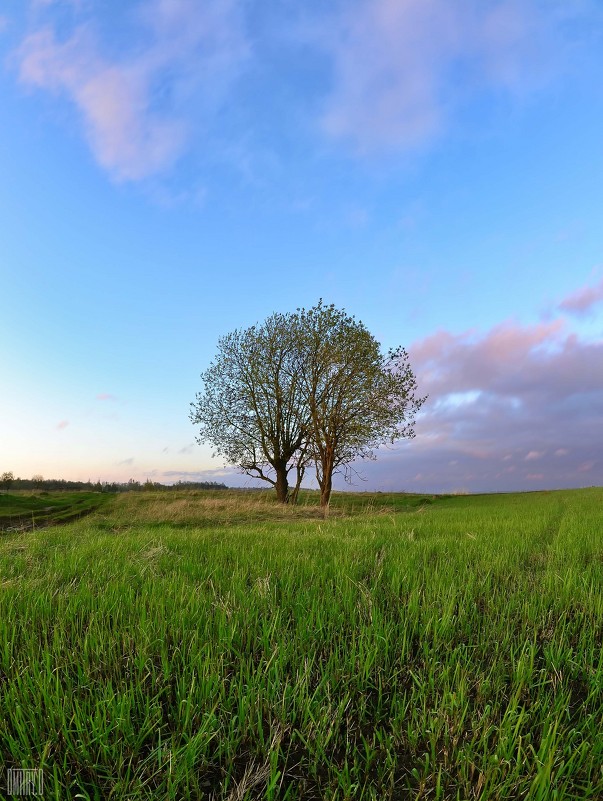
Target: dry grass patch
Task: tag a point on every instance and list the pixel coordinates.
(198, 508)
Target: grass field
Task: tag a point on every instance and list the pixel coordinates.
(213, 645)
(28, 510)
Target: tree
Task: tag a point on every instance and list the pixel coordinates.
(311, 386)
(38, 480)
(357, 397)
(6, 479)
(252, 409)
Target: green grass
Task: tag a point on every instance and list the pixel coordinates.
(30, 510)
(199, 645)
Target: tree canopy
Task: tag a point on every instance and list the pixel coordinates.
(305, 387)
(252, 409)
(358, 398)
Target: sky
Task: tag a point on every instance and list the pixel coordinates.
(175, 169)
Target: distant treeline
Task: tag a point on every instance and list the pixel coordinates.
(53, 484)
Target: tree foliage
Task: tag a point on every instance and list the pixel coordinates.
(310, 386)
(252, 409)
(6, 479)
(37, 482)
(358, 399)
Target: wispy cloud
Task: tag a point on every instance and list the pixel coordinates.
(126, 462)
(105, 396)
(583, 300)
(38, 4)
(399, 70)
(402, 67)
(136, 109)
(62, 425)
(221, 474)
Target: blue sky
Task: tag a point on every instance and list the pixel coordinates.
(174, 169)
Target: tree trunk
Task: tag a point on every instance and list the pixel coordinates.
(300, 474)
(326, 485)
(282, 485)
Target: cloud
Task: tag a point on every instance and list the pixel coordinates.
(126, 462)
(62, 425)
(511, 363)
(105, 396)
(38, 4)
(148, 86)
(220, 474)
(386, 82)
(402, 67)
(581, 301)
(136, 109)
(501, 402)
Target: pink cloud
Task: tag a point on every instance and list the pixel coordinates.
(387, 72)
(62, 425)
(477, 453)
(105, 396)
(583, 300)
(126, 137)
(512, 394)
(193, 49)
(509, 362)
(401, 66)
